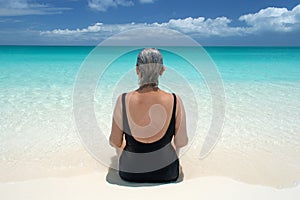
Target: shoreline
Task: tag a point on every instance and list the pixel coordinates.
(220, 163)
(95, 185)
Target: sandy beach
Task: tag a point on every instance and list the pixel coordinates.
(97, 186)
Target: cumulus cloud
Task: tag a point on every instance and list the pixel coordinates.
(273, 19)
(204, 27)
(103, 5)
(269, 19)
(198, 26)
(26, 7)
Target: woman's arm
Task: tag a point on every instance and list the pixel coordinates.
(116, 135)
(180, 138)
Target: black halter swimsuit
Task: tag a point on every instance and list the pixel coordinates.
(149, 162)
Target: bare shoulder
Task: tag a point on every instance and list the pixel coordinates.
(166, 95)
(170, 95)
(178, 99)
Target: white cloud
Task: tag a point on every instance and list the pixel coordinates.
(203, 27)
(103, 5)
(269, 19)
(95, 28)
(10, 20)
(273, 19)
(146, 1)
(26, 7)
(198, 26)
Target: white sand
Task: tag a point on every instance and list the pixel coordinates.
(96, 186)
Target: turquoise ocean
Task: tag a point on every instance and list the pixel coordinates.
(260, 141)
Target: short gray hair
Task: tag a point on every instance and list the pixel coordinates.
(150, 63)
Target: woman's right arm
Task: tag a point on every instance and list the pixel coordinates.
(116, 136)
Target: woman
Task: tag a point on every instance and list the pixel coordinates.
(149, 126)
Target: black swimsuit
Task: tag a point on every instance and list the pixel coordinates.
(149, 162)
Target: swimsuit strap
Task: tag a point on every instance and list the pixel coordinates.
(174, 111)
(126, 128)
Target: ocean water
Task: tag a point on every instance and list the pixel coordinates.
(260, 140)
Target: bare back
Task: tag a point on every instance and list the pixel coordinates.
(149, 114)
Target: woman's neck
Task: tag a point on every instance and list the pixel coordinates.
(148, 87)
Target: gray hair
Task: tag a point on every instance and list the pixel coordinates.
(150, 63)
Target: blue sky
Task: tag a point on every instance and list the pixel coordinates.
(210, 22)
